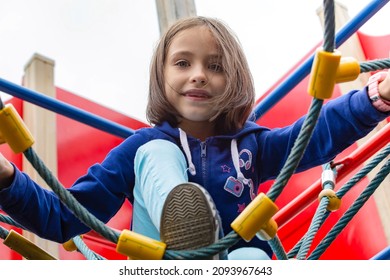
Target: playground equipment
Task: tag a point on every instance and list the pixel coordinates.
(267, 218)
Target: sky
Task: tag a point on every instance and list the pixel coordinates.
(102, 48)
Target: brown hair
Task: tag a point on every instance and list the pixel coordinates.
(235, 104)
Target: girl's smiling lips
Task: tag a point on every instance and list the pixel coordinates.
(197, 94)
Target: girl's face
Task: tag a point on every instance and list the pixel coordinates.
(194, 75)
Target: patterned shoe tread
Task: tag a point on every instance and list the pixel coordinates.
(187, 221)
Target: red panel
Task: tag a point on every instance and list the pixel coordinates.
(80, 146)
(375, 47)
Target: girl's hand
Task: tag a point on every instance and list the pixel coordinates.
(384, 87)
(6, 172)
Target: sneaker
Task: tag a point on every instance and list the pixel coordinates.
(189, 218)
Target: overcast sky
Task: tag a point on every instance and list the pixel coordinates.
(102, 48)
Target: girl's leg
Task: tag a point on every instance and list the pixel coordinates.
(248, 253)
(159, 166)
(190, 219)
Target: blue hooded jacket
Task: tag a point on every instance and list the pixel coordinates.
(230, 167)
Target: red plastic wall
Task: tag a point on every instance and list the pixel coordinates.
(80, 146)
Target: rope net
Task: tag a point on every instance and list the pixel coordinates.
(329, 199)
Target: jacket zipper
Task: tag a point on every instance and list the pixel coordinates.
(203, 154)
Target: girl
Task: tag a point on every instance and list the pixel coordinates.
(201, 96)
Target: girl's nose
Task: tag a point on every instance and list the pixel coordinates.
(199, 76)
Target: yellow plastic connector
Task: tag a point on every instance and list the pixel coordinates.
(25, 247)
(323, 74)
(348, 70)
(13, 130)
(70, 246)
(334, 202)
(139, 247)
(268, 231)
(254, 217)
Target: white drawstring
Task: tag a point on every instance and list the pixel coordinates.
(186, 148)
(234, 153)
(236, 162)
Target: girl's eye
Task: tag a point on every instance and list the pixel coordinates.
(182, 63)
(216, 67)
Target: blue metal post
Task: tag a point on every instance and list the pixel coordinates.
(382, 255)
(65, 109)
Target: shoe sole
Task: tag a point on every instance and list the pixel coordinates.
(188, 220)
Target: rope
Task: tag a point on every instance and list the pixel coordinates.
(329, 26)
(10, 221)
(280, 182)
(374, 65)
(297, 150)
(277, 248)
(314, 111)
(83, 249)
(68, 199)
(3, 233)
(364, 171)
(351, 212)
(318, 220)
(320, 216)
(222, 244)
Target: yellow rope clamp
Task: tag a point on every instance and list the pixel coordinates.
(140, 247)
(323, 74)
(25, 247)
(70, 246)
(255, 217)
(14, 131)
(348, 70)
(334, 202)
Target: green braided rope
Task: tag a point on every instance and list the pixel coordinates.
(297, 151)
(68, 199)
(83, 249)
(3, 233)
(316, 223)
(202, 253)
(10, 221)
(351, 212)
(351, 183)
(329, 26)
(277, 248)
(364, 171)
(374, 65)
